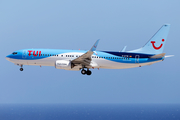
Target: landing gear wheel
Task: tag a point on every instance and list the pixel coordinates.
(88, 72)
(21, 69)
(83, 72)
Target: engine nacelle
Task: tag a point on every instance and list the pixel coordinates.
(63, 64)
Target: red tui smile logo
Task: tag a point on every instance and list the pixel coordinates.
(157, 48)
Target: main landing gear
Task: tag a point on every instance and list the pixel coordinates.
(88, 72)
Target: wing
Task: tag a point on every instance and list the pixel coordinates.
(85, 59)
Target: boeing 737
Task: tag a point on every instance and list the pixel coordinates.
(150, 53)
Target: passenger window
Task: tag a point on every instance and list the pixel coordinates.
(61, 55)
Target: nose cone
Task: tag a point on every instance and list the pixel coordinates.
(8, 57)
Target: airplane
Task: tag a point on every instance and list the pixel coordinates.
(150, 53)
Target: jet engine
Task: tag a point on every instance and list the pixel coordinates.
(63, 64)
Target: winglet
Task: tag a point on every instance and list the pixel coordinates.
(94, 46)
(123, 50)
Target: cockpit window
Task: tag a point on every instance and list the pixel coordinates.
(14, 53)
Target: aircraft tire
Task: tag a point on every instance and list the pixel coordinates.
(21, 69)
(83, 72)
(88, 72)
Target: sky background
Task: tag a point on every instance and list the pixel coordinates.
(77, 24)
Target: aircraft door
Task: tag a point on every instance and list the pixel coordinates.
(137, 59)
(24, 54)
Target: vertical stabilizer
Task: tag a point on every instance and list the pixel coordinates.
(156, 44)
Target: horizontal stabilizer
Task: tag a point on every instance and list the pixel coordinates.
(158, 56)
(169, 56)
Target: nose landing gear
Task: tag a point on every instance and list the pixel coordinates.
(21, 69)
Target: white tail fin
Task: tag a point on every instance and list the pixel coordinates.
(156, 44)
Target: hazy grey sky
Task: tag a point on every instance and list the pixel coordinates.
(77, 24)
